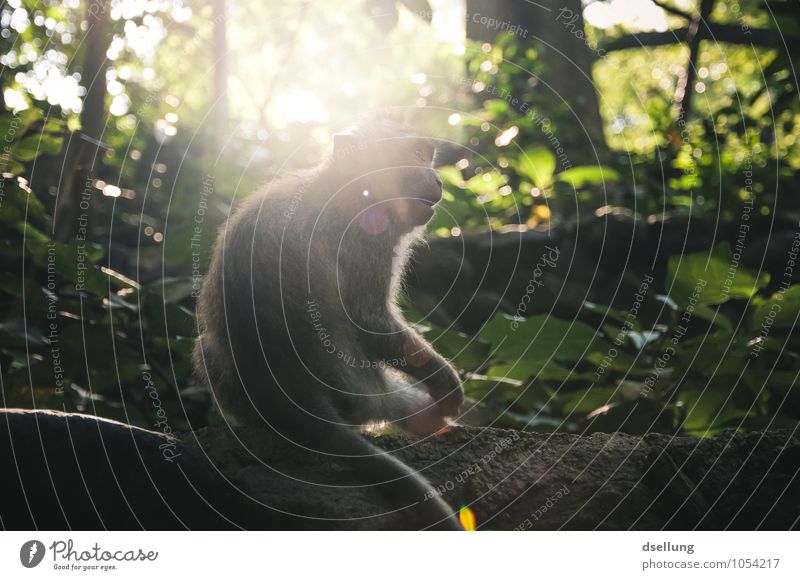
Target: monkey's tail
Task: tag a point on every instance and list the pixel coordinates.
(396, 481)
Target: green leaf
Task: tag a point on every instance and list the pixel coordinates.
(710, 278)
(34, 145)
(465, 352)
(541, 338)
(539, 165)
(612, 313)
(526, 369)
(16, 332)
(95, 351)
(779, 310)
(588, 400)
(621, 361)
(174, 289)
(587, 174)
(713, 316)
(452, 176)
(454, 210)
(480, 387)
(19, 204)
(495, 107)
(15, 125)
(705, 409)
(487, 183)
(73, 261)
(181, 245)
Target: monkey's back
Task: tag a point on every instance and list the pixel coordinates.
(274, 332)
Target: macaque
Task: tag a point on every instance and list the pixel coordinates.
(299, 329)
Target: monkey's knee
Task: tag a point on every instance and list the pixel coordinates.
(421, 415)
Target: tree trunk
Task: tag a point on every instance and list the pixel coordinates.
(220, 43)
(559, 25)
(685, 88)
(83, 148)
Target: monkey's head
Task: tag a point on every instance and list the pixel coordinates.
(387, 173)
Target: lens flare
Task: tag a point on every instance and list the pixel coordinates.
(467, 518)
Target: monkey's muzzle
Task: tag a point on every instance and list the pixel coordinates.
(432, 192)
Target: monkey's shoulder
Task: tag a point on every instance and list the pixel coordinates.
(285, 201)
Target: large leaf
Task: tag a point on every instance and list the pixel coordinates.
(465, 352)
(525, 369)
(537, 164)
(452, 175)
(588, 400)
(454, 210)
(74, 261)
(541, 338)
(710, 278)
(705, 409)
(780, 310)
(487, 183)
(30, 147)
(18, 201)
(20, 121)
(587, 174)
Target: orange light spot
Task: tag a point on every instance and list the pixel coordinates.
(542, 212)
(443, 430)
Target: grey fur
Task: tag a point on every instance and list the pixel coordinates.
(298, 325)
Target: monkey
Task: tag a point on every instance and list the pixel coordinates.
(299, 328)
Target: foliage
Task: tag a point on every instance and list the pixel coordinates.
(719, 355)
(702, 371)
(104, 322)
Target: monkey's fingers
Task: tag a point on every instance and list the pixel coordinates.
(425, 421)
(449, 405)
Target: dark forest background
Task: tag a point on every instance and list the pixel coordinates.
(617, 247)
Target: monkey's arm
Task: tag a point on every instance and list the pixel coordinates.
(405, 350)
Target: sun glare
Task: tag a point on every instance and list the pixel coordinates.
(300, 106)
(641, 14)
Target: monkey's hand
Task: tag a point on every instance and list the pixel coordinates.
(424, 417)
(421, 362)
(444, 385)
(413, 409)
(440, 379)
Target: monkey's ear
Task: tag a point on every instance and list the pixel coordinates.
(343, 144)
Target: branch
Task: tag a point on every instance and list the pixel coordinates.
(683, 94)
(672, 10)
(730, 33)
